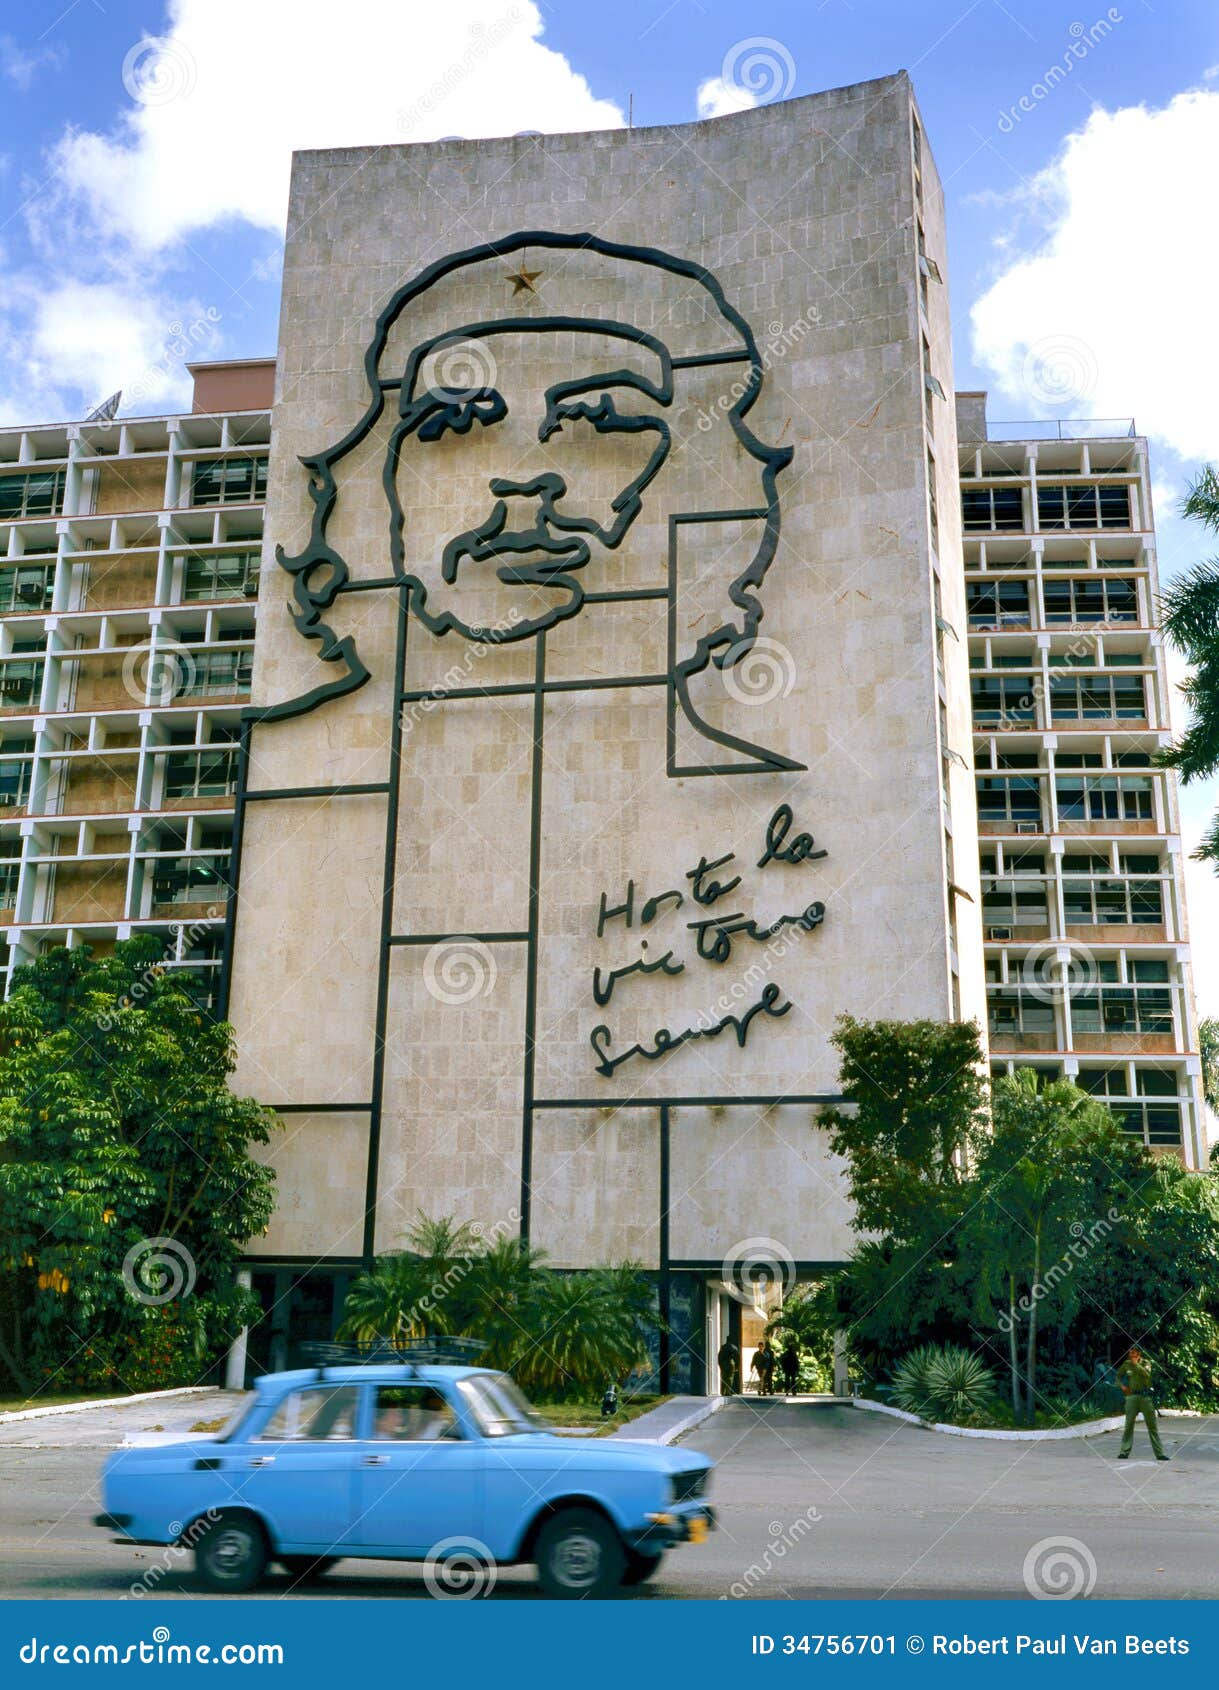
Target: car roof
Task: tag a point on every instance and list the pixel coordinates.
(374, 1373)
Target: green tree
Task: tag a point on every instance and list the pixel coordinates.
(126, 1185)
(554, 1331)
(917, 1100)
(1208, 1046)
(1190, 612)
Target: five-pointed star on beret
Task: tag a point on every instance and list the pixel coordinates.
(522, 280)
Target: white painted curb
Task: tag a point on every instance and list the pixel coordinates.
(13, 1415)
(1085, 1429)
(704, 1411)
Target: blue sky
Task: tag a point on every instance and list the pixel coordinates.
(144, 151)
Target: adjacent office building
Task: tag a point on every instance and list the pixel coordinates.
(636, 618)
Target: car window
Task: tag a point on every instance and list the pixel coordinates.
(315, 1414)
(412, 1414)
(499, 1407)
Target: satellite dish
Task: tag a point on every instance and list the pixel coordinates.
(107, 410)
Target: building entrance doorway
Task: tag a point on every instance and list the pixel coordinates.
(745, 1317)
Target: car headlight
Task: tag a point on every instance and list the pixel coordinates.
(689, 1486)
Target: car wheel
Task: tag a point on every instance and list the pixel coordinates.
(640, 1568)
(307, 1566)
(232, 1554)
(579, 1554)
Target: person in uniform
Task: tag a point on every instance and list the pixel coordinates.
(1134, 1377)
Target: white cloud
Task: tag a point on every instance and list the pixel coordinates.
(1110, 314)
(21, 67)
(209, 114)
(222, 99)
(718, 98)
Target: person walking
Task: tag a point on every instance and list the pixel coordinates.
(729, 1358)
(789, 1361)
(1134, 1376)
(764, 1362)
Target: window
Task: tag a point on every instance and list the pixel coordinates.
(226, 575)
(26, 586)
(1009, 799)
(1012, 903)
(189, 880)
(216, 673)
(1104, 600)
(997, 604)
(1097, 697)
(1099, 798)
(1083, 507)
(229, 481)
(1125, 1010)
(413, 1414)
(1098, 902)
(16, 764)
(10, 870)
(984, 508)
(200, 774)
(1004, 698)
(20, 682)
(1012, 1013)
(312, 1415)
(36, 493)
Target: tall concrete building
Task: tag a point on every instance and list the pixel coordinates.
(613, 743)
(130, 557)
(1083, 899)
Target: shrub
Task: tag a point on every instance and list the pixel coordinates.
(943, 1382)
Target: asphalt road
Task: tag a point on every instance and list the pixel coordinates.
(814, 1501)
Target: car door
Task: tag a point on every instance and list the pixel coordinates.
(420, 1481)
(299, 1472)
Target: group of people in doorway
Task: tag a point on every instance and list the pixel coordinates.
(763, 1368)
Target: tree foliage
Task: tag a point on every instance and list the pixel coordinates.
(1190, 613)
(126, 1185)
(556, 1332)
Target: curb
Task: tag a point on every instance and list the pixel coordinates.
(16, 1414)
(704, 1411)
(1085, 1429)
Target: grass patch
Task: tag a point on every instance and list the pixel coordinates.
(589, 1413)
(51, 1399)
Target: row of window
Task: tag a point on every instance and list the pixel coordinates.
(216, 481)
(1006, 602)
(1096, 798)
(1001, 509)
(228, 575)
(1089, 903)
(1092, 697)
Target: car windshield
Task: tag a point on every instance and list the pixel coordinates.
(498, 1406)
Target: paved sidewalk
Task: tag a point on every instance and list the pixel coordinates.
(110, 1428)
(670, 1420)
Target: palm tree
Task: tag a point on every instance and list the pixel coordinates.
(1208, 1045)
(1190, 611)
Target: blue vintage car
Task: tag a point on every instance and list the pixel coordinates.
(414, 1462)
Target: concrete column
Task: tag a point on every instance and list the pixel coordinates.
(840, 1364)
(235, 1361)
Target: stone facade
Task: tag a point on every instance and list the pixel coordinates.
(434, 1029)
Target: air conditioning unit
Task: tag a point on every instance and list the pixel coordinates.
(250, 589)
(1028, 827)
(8, 800)
(998, 933)
(16, 689)
(31, 592)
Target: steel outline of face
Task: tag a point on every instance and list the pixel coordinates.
(426, 415)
